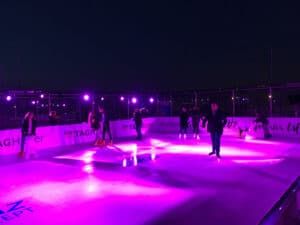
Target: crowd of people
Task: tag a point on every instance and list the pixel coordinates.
(99, 121)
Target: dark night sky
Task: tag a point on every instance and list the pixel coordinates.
(123, 45)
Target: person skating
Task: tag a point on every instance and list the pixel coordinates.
(195, 122)
(94, 122)
(184, 122)
(105, 122)
(138, 121)
(28, 130)
(216, 121)
(260, 118)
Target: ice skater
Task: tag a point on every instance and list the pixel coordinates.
(28, 130)
(261, 119)
(195, 122)
(105, 123)
(184, 122)
(138, 122)
(94, 121)
(216, 120)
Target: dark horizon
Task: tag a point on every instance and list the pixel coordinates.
(139, 46)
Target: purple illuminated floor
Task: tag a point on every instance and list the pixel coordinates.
(160, 180)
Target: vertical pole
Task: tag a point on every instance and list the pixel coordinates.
(270, 102)
(233, 103)
(128, 107)
(49, 103)
(196, 98)
(171, 105)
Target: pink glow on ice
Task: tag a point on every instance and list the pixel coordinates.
(86, 157)
(205, 149)
(88, 168)
(128, 147)
(153, 154)
(124, 163)
(257, 161)
(59, 193)
(158, 143)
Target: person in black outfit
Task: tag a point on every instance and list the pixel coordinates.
(105, 121)
(260, 118)
(184, 119)
(196, 121)
(28, 129)
(138, 121)
(216, 122)
(94, 122)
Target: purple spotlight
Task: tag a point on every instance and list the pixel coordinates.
(151, 100)
(102, 98)
(134, 100)
(86, 97)
(8, 98)
(122, 98)
(42, 96)
(64, 105)
(33, 102)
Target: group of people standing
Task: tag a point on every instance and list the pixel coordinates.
(99, 121)
(215, 120)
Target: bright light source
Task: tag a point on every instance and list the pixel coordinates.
(33, 102)
(122, 98)
(42, 95)
(134, 100)
(151, 100)
(102, 98)
(86, 97)
(8, 98)
(270, 96)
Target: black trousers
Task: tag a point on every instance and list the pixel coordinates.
(106, 129)
(183, 128)
(138, 129)
(216, 141)
(196, 127)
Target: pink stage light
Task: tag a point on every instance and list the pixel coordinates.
(33, 102)
(134, 100)
(124, 163)
(86, 97)
(88, 168)
(64, 105)
(122, 98)
(8, 98)
(102, 98)
(151, 100)
(42, 95)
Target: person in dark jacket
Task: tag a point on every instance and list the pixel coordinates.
(105, 121)
(138, 121)
(196, 121)
(263, 120)
(184, 122)
(28, 129)
(94, 122)
(216, 120)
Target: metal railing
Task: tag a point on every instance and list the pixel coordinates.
(279, 101)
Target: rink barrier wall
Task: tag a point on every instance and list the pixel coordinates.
(64, 135)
